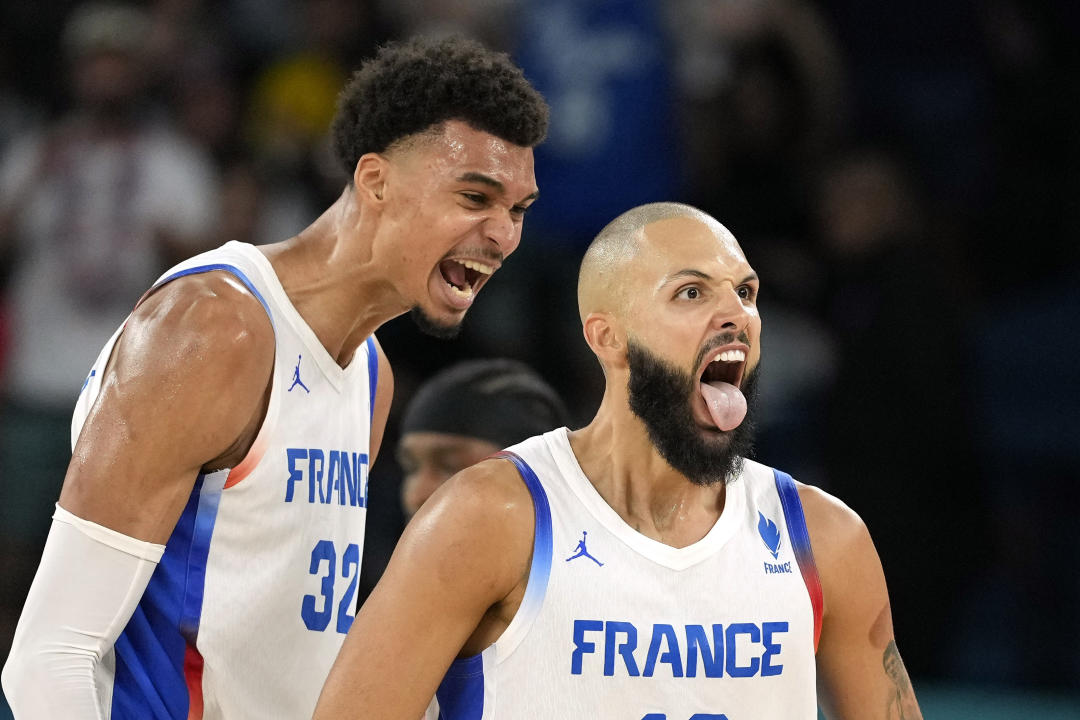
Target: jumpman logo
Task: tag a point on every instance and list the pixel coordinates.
(583, 551)
(296, 377)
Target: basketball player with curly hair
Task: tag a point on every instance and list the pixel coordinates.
(204, 552)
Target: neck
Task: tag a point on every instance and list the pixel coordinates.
(618, 458)
(333, 280)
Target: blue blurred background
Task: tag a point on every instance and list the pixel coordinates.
(903, 176)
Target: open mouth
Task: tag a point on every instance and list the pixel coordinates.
(464, 277)
(719, 387)
(726, 366)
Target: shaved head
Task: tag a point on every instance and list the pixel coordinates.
(668, 304)
(599, 289)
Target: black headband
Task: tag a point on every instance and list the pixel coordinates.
(501, 401)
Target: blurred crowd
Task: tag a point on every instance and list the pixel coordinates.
(903, 176)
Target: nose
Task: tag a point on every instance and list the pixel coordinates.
(501, 229)
(732, 313)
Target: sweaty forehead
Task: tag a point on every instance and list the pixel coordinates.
(689, 243)
(459, 149)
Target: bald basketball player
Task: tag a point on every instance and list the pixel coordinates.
(641, 567)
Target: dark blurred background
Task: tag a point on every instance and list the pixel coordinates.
(904, 177)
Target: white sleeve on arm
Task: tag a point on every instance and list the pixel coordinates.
(87, 586)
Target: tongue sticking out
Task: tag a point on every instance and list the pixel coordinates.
(726, 404)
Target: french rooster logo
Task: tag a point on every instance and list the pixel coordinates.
(770, 534)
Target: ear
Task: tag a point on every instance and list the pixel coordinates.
(369, 177)
(606, 338)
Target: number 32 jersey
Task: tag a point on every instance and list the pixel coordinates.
(250, 603)
(617, 626)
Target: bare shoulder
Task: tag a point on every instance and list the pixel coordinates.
(194, 341)
(184, 389)
(843, 549)
(478, 524)
(208, 310)
(833, 526)
(487, 497)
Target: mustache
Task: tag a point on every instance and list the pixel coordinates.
(719, 341)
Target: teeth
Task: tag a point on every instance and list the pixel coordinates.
(465, 292)
(730, 356)
(477, 266)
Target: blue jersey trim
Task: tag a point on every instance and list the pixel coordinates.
(227, 268)
(461, 693)
(793, 511)
(373, 372)
(149, 680)
(800, 544)
(540, 570)
(205, 517)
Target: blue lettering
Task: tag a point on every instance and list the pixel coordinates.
(345, 479)
(350, 567)
(333, 477)
(295, 474)
(626, 649)
(360, 472)
(733, 668)
(721, 654)
(319, 619)
(771, 648)
(711, 660)
(672, 656)
(316, 463)
(336, 473)
(580, 646)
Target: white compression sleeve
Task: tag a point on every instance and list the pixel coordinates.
(86, 588)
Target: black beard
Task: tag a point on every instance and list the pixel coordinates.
(660, 394)
(431, 327)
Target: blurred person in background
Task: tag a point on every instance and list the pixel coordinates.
(464, 414)
(205, 550)
(762, 91)
(290, 103)
(898, 416)
(92, 208)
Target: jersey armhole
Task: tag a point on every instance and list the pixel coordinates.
(198, 269)
(540, 567)
(463, 692)
(373, 376)
(800, 543)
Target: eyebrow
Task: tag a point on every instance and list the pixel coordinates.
(482, 179)
(690, 272)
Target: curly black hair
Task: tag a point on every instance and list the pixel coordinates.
(412, 85)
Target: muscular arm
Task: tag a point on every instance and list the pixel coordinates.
(465, 552)
(860, 673)
(182, 392)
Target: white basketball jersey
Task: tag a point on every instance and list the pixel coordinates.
(257, 587)
(615, 625)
